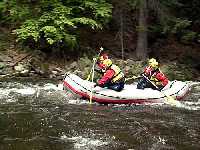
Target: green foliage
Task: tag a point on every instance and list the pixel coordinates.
(135, 3)
(102, 11)
(189, 37)
(28, 30)
(180, 25)
(177, 72)
(2, 6)
(182, 29)
(169, 21)
(13, 12)
(55, 20)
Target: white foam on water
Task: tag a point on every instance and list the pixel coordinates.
(7, 93)
(192, 103)
(78, 101)
(11, 100)
(26, 91)
(50, 86)
(4, 92)
(81, 142)
(161, 140)
(60, 86)
(193, 83)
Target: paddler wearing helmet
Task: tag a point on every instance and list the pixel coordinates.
(100, 66)
(154, 74)
(112, 76)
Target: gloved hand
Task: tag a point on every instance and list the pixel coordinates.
(146, 74)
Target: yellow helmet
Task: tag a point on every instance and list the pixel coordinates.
(153, 63)
(107, 62)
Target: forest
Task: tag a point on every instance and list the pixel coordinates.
(74, 30)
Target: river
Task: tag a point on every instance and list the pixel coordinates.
(39, 115)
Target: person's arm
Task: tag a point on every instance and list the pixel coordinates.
(161, 77)
(147, 71)
(106, 78)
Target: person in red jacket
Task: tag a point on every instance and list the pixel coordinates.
(153, 77)
(99, 65)
(112, 77)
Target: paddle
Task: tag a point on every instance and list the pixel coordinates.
(94, 62)
(169, 99)
(132, 78)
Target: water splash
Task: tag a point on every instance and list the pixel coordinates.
(81, 142)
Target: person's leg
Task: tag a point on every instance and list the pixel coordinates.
(141, 84)
(117, 86)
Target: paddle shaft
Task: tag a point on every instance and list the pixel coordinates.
(170, 99)
(133, 77)
(150, 82)
(94, 62)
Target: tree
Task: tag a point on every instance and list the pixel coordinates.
(141, 50)
(144, 6)
(57, 22)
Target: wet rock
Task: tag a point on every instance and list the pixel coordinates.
(7, 70)
(24, 73)
(72, 66)
(79, 73)
(60, 77)
(54, 72)
(2, 72)
(19, 68)
(38, 71)
(58, 69)
(22, 70)
(2, 65)
(51, 76)
(5, 58)
(130, 62)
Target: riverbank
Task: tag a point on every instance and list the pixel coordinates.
(16, 61)
(37, 64)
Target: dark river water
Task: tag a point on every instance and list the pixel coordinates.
(39, 115)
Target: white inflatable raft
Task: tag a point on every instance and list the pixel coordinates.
(130, 94)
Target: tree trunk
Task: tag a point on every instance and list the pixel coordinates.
(141, 50)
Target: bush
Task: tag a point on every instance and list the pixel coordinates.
(61, 23)
(177, 72)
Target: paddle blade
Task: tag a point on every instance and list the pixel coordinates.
(91, 98)
(172, 101)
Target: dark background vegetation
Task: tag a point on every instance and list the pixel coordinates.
(67, 30)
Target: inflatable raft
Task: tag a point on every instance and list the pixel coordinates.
(130, 94)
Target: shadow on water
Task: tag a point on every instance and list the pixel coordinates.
(40, 116)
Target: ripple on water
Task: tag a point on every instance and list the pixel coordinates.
(42, 112)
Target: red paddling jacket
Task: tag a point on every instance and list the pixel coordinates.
(156, 76)
(113, 74)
